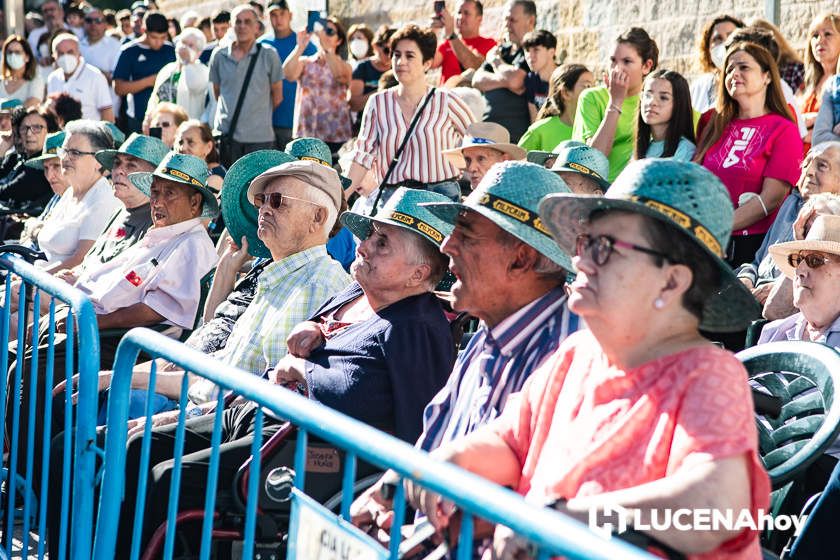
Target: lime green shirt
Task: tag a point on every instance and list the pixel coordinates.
(545, 134)
(591, 110)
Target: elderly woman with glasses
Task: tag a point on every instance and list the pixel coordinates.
(640, 411)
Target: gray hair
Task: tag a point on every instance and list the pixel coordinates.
(64, 36)
(544, 267)
(97, 133)
(320, 197)
(426, 253)
(191, 32)
(822, 147)
(241, 8)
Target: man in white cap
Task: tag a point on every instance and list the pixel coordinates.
(484, 144)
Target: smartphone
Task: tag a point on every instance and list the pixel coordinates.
(440, 5)
(155, 132)
(312, 17)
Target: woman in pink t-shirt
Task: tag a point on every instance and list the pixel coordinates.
(640, 411)
(752, 144)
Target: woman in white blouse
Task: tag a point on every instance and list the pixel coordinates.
(19, 70)
(388, 114)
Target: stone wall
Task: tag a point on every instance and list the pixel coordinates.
(585, 28)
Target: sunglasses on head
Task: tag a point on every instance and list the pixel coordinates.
(811, 260)
(275, 200)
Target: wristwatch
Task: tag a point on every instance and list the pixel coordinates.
(452, 36)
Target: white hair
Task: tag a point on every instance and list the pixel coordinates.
(191, 32)
(473, 99)
(189, 18)
(64, 37)
(241, 8)
(823, 203)
(320, 197)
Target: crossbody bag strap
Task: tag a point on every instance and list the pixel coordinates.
(400, 149)
(242, 92)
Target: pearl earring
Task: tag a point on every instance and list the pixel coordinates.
(658, 303)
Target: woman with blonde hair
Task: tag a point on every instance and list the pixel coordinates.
(820, 62)
(167, 117)
(752, 144)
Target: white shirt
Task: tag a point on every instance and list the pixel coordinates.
(163, 270)
(71, 220)
(35, 37)
(87, 84)
(102, 54)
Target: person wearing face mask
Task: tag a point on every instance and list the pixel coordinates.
(80, 79)
(365, 79)
(359, 43)
(712, 47)
(19, 70)
(183, 82)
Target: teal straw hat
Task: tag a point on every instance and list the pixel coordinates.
(539, 157)
(184, 169)
(314, 149)
(584, 160)
(684, 195)
(118, 135)
(8, 104)
(509, 195)
(407, 208)
(239, 213)
(149, 149)
(51, 145)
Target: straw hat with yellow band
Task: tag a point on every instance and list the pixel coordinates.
(509, 195)
(404, 209)
(314, 149)
(685, 195)
(51, 145)
(824, 237)
(184, 169)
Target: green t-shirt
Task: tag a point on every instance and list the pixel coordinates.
(545, 134)
(591, 110)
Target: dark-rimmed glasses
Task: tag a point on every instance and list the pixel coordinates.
(600, 247)
(811, 260)
(276, 200)
(72, 153)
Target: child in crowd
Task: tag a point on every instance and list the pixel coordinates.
(540, 48)
(555, 119)
(664, 126)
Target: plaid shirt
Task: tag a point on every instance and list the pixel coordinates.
(288, 292)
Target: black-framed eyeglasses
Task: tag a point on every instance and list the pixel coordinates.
(33, 128)
(811, 260)
(276, 199)
(600, 247)
(72, 153)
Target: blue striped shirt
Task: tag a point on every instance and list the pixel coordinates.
(494, 365)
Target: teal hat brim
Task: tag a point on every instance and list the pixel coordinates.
(731, 309)
(448, 212)
(38, 162)
(359, 225)
(240, 215)
(600, 180)
(143, 182)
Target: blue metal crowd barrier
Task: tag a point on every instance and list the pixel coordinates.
(552, 532)
(25, 502)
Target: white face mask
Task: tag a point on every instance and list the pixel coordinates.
(15, 61)
(718, 55)
(68, 63)
(359, 48)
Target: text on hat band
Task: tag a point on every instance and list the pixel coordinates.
(181, 175)
(698, 230)
(415, 224)
(513, 210)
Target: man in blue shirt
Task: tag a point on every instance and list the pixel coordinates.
(138, 66)
(284, 41)
(511, 276)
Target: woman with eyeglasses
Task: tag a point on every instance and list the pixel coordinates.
(167, 117)
(24, 188)
(19, 69)
(321, 109)
(639, 411)
(366, 75)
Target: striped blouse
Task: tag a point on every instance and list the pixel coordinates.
(495, 364)
(441, 126)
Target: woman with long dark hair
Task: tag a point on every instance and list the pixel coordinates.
(19, 69)
(752, 144)
(557, 116)
(665, 124)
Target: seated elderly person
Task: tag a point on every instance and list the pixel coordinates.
(820, 174)
(584, 168)
(511, 275)
(484, 144)
(49, 164)
(377, 351)
(645, 418)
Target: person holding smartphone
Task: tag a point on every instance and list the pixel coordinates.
(464, 48)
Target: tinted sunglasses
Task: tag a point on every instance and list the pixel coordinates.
(276, 200)
(330, 31)
(811, 260)
(94, 20)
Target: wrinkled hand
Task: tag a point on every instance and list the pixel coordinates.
(235, 256)
(760, 293)
(104, 383)
(437, 510)
(304, 338)
(137, 425)
(372, 511)
(747, 283)
(802, 222)
(617, 82)
(507, 545)
(288, 371)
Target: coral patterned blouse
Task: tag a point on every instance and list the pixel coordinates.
(582, 426)
(321, 109)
